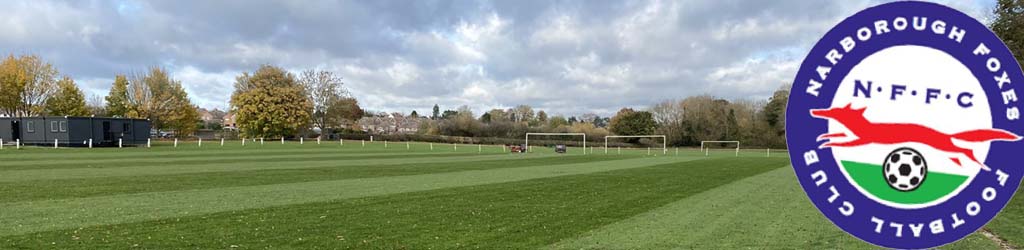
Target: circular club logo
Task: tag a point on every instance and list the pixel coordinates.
(904, 125)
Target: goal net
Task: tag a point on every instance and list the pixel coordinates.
(720, 146)
(535, 135)
(664, 142)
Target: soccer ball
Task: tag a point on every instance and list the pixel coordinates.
(905, 169)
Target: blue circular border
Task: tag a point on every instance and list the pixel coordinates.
(802, 129)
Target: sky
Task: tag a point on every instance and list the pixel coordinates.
(565, 57)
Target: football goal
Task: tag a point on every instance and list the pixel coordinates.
(664, 142)
(556, 134)
(706, 146)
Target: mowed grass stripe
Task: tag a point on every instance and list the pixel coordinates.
(174, 168)
(293, 157)
(34, 216)
(77, 188)
(511, 215)
(767, 211)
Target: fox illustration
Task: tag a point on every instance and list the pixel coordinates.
(867, 132)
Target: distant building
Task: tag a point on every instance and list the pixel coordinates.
(75, 131)
(391, 124)
(229, 121)
(205, 115)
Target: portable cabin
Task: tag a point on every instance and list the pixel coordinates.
(74, 131)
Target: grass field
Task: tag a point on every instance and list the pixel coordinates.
(331, 196)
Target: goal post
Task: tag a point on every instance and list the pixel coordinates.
(664, 141)
(528, 150)
(706, 149)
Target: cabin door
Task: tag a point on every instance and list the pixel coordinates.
(15, 130)
(107, 135)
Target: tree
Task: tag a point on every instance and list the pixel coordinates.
(485, 118)
(323, 88)
(542, 116)
(117, 99)
(182, 116)
(449, 114)
(630, 122)
(1008, 24)
(523, 113)
(345, 111)
(96, 106)
(556, 122)
(466, 122)
(154, 95)
(775, 111)
(414, 114)
(270, 103)
(498, 115)
(67, 101)
(26, 83)
(437, 113)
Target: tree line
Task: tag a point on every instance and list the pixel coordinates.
(684, 122)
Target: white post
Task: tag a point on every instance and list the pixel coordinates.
(200, 142)
(431, 146)
(456, 145)
(769, 152)
(677, 151)
(17, 143)
(385, 143)
(648, 150)
(479, 148)
(605, 145)
(1, 143)
(175, 142)
(318, 140)
(302, 140)
(282, 140)
(261, 141)
(54, 143)
(371, 138)
(619, 149)
(363, 142)
(341, 142)
(584, 143)
(221, 142)
(243, 142)
(407, 145)
(737, 150)
(149, 142)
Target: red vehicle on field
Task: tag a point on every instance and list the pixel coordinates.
(516, 148)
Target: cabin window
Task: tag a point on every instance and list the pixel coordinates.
(63, 126)
(30, 127)
(53, 126)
